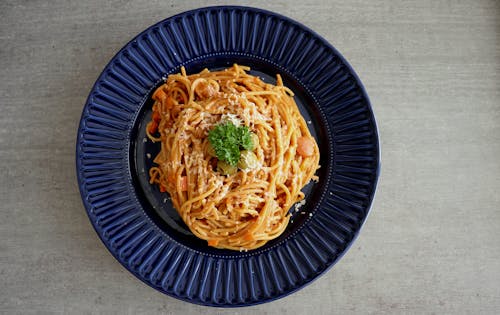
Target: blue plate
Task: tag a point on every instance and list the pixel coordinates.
(138, 224)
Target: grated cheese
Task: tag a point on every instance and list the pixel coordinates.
(299, 204)
(232, 118)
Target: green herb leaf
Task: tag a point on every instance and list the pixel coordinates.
(227, 140)
(246, 138)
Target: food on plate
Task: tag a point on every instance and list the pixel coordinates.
(235, 154)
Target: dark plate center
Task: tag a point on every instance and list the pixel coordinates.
(157, 205)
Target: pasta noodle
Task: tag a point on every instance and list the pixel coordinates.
(244, 209)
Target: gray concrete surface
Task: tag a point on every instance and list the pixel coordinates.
(432, 242)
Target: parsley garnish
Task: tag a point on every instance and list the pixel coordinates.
(227, 141)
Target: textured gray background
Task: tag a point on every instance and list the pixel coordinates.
(432, 241)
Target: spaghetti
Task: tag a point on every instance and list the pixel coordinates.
(246, 208)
